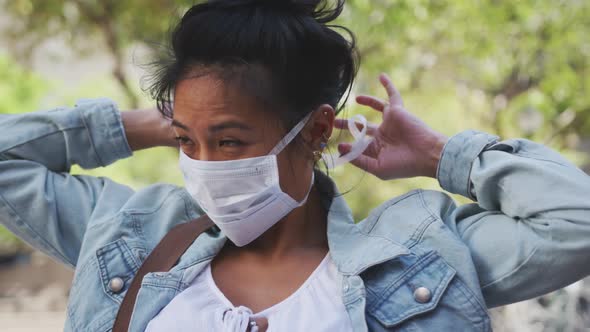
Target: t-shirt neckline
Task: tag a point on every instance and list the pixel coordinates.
(275, 307)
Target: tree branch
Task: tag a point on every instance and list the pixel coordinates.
(106, 26)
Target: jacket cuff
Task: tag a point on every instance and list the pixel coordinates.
(454, 167)
(105, 128)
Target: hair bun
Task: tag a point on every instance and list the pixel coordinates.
(320, 10)
(305, 6)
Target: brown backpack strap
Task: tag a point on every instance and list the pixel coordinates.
(162, 258)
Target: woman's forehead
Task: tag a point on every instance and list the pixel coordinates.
(203, 100)
(207, 92)
(246, 81)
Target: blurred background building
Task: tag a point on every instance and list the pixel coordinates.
(513, 68)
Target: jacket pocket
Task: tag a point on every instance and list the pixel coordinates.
(117, 266)
(425, 295)
(99, 286)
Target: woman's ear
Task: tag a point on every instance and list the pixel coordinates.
(319, 127)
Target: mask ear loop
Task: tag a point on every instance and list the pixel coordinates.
(362, 141)
(286, 140)
(290, 136)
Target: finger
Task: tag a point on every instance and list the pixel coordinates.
(371, 151)
(366, 163)
(343, 124)
(344, 148)
(394, 96)
(373, 102)
(362, 161)
(371, 129)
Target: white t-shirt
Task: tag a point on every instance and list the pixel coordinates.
(316, 306)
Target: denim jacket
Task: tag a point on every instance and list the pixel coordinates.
(418, 262)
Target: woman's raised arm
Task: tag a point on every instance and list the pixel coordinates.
(39, 201)
(528, 233)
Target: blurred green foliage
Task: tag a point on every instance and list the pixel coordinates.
(20, 90)
(514, 68)
(84, 24)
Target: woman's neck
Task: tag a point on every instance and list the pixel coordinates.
(304, 228)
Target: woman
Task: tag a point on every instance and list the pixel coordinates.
(255, 86)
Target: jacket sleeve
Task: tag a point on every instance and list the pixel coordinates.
(39, 201)
(529, 232)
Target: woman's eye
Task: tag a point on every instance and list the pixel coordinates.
(229, 143)
(182, 139)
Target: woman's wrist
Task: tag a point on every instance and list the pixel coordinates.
(434, 155)
(146, 129)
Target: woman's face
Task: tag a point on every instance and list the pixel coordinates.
(216, 122)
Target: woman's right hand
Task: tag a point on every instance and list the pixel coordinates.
(147, 129)
(404, 146)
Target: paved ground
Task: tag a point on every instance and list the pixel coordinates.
(33, 295)
(32, 321)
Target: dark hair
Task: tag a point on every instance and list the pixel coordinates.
(287, 48)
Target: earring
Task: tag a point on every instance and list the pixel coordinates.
(317, 155)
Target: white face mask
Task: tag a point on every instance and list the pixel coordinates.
(243, 197)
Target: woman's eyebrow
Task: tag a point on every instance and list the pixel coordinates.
(228, 125)
(176, 123)
(215, 128)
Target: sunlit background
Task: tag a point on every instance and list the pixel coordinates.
(513, 68)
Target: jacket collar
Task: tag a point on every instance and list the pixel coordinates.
(351, 248)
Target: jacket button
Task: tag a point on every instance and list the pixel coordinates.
(116, 284)
(346, 287)
(422, 294)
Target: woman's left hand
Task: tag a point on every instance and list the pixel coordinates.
(403, 145)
